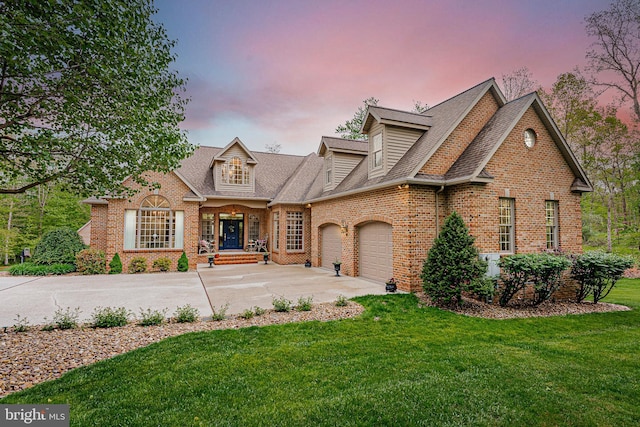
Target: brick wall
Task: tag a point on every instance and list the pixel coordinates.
(282, 255)
(462, 136)
(112, 240)
(99, 227)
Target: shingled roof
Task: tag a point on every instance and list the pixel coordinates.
(395, 117)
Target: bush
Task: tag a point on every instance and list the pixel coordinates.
(542, 270)
(597, 273)
(247, 314)
(138, 265)
(115, 266)
(21, 325)
(91, 261)
(162, 264)
(453, 263)
(58, 246)
(108, 317)
(282, 305)
(483, 288)
(150, 317)
(67, 319)
(186, 314)
(30, 269)
(259, 311)
(341, 301)
(221, 313)
(183, 263)
(304, 304)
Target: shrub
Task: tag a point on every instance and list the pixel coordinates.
(58, 246)
(108, 317)
(282, 305)
(259, 311)
(115, 266)
(30, 269)
(67, 319)
(150, 317)
(597, 273)
(21, 325)
(186, 314)
(483, 288)
(162, 264)
(138, 265)
(91, 261)
(247, 314)
(342, 301)
(183, 263)
(453, 263)
(304, 304)
(220, 313)
(543, 270)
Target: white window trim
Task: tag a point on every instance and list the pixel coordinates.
(555, 231)
(376, 138)
(276, 232)
(292, 224)
(511, 225)
(133, 223)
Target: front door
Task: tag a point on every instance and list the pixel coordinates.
(231, 234)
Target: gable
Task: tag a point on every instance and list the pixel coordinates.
(458, 140)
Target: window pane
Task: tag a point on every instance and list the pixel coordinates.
(506, 230)
(130, 229)
(551, 222)
(178, 241)
(276, 230)
(254, 227)
(294, 231)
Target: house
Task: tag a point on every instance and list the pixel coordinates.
(375, 205)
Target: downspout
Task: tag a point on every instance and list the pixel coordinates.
(437, 213)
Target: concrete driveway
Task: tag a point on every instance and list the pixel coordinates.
(240, 286)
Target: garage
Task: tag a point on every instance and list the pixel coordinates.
(331, 245)
(376, 251)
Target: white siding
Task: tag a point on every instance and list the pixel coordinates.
(397, 141)
(343, 164)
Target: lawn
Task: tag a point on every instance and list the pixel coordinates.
(397, 364)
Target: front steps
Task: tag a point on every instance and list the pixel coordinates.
(226, 258)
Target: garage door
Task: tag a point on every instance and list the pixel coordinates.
(331, 245)
(376, 251)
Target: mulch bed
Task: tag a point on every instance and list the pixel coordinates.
(35, 356)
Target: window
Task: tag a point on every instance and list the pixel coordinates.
(327, 165)
(376, 150)
(276, 231)
(208, 227)
(254, 227)
(294, 231)
(551, 219)
(506, 229)
(153, 226)
(233, 172)
(530, 138)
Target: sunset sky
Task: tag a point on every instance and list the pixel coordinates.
(289, 72)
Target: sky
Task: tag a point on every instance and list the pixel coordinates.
(290, 71)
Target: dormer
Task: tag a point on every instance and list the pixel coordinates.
(391, 133)
(233, 168)
(341, 156)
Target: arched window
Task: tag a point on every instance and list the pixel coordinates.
(154, 225)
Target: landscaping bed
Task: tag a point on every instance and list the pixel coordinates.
(35, 356)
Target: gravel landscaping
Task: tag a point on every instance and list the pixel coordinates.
(28, 358)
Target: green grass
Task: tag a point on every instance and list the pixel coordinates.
(395, 365)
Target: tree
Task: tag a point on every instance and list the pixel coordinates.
(419, 107)
(616, 50)
(453, 263)
(518, 83)
(351, 128)
(86, 95)
(273, 148)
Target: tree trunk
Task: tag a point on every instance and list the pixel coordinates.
(6, 241)
(609, 209)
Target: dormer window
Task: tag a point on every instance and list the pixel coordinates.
(328, 169)
(233, 172)
(376, 151)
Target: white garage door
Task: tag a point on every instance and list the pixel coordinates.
(331, 245)
(376, 251)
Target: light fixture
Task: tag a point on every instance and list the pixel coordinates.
(344, 227)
